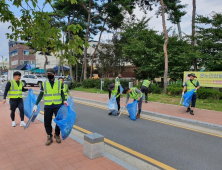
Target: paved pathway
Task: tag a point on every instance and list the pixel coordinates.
(208, 116)
(26, 150)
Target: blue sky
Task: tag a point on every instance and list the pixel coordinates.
(204, 7)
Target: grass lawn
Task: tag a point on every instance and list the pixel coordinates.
(208, 104)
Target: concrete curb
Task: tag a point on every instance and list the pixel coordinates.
(160, 115)
(106, 154)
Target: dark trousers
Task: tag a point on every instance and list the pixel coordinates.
(145, 91)
(194, 98)
(118, 102)
(48, 120)
(140, 105)
(16, 103)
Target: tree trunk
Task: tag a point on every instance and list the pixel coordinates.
(46, 61)
(87, 38)
(179, 30)
(165, 48)
(97, 47)
(59, 67)
(76, 71)
(193, 33)
(71, 74)
(82, 72)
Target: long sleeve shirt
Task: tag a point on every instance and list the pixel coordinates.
(137, 91)
(42, 93)
(7, 88)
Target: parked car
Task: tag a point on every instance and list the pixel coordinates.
(33, 80)
(4, 78)
(66, 80)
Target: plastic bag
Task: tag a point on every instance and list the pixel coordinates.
(29, 103)
(187, 98)
(65, 118)
(112, 105)
(121, 89)
(132, 109)
(143, 97)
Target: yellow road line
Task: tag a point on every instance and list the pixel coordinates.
(135, 153)
(162, 122)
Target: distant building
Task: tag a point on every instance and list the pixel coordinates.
(52, 61)
(5, 64)
(19, 54)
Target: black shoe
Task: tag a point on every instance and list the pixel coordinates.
(188, 109)
(191, 112)
(110, 113)
(146, 101)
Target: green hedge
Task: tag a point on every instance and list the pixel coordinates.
(90, 83)
(173, 89)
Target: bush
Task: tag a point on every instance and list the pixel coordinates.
(208, 93)
(174, 90)
(156, 89)
(74, 85)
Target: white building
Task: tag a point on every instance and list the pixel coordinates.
(52, 61)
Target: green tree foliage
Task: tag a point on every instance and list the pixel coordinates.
(144, 48)
(209, 40)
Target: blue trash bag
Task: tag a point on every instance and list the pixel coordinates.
(121, 89)
(132, 109)
(187, 98)
(112, 105)
(65, 118)
(29, 103)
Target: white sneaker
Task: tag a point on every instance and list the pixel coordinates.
(22, 123)
(13, 124)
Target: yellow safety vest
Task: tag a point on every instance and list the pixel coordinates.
(15, 91)
(115, 91)
(52, 95)
(146, 83)
(190, 86)
(117, 82)
(134, 94)
(65, 90)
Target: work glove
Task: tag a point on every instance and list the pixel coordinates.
(35, 108)
(65, 103)
(182, 93)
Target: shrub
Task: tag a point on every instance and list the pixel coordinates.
(208, 93)
(156, 89)
(174, 90)
(75, 84)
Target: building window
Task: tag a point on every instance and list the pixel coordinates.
(14, 53)
(27, 62)
(25, 52)
(14, 62)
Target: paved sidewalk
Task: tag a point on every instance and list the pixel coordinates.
(214, 117)
(26, 150)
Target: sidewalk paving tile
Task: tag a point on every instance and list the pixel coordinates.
(26, 150)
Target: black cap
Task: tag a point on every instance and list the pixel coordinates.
(17, 73)
(50, 71)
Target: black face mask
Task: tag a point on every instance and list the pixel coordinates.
(50, 77)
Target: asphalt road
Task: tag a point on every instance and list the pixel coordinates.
(176, 147)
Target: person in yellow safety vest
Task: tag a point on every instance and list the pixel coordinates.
(191, 85)
(117, 80)
(114, 90)
(136, 94)
(14, 89)
(65, 88)
(54, 98)
(144, 88)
